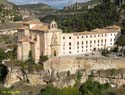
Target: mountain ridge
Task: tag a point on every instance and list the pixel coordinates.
(36, 6)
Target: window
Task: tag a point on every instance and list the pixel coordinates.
(105, 35)
(69, 47)
(82, 46)
(82, 43)
(98, 35)
(82, 36)
(69, 43)
(77, 43)
(63, 37)
(90, 42)
(77, 37)
(111, 34)
(91, 36)
(102, 35)
(98, 41)
(54, 25)
(69, 52)
(77, 47)
(102, 41)
(64, 44)
(94, 41)
(86, 36)
(94, 35)
(69, 37)
(86, 42)
(110, 40)
(105, 40)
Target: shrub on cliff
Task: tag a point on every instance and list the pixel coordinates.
(104, 52)
(43, 59)
(50, 90)
(91, 87)
(121, 42)
(30, 60)
(3, 55)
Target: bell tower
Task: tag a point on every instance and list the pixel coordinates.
(54, 42)
(53, 25)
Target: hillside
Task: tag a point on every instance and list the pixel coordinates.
(38, 9)
(104, 14)
(6, 4)
(85, 5)
(91, 4)
(10, 12)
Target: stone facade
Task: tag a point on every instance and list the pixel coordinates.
(47, 39)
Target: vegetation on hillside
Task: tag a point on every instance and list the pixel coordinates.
(100, 16)
(83, 6)
(36, 7)
(90, 87)
(8, 12)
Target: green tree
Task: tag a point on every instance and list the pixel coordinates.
(18, 18)
(30, 60)
(121, 42)
(43, 59)
(3, 55)
(50, 90)
(91, 87)
(70, 91)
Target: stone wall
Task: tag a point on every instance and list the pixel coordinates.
(73, 64)
(62, 72)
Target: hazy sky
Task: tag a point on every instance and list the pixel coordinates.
(54, 3)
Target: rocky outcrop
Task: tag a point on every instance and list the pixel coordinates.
(34, 78)
(64, 72)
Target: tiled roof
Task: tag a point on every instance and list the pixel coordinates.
(43, 27)
(33, 22)
(109, 29)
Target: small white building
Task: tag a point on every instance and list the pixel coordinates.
(47, 39)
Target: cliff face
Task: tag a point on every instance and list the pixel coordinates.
(34, 78)
(63, 73)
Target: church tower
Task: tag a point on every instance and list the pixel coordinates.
(53, 25)
(52, 40)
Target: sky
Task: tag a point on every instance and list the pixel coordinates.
(53, 3)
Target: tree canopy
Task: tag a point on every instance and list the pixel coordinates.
(102, 15)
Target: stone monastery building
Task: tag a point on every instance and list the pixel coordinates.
(47, 39)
